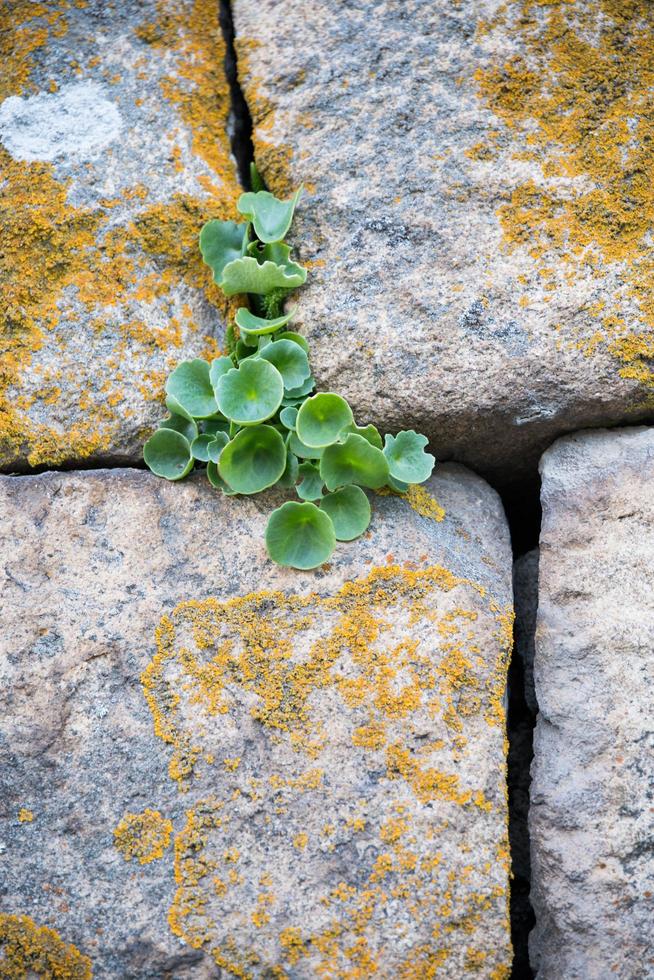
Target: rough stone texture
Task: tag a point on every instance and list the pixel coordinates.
(525, 598)
(592, 793)
(113, 151)
(333, 746)
(478, 217)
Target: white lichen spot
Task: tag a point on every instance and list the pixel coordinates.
(77, 122)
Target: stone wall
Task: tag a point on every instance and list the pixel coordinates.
(214, 767)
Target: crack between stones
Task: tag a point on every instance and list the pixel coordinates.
(523, 512)
(240, 122)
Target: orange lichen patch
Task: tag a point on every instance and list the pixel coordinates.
(25, 26)
(28, 950)
(419, 499)
(273, 158)
(170, 231)
(259, 657)
(25, 815)
(578, 92)
(396, 655)
(107, 275)
(144, 836)
(423, 503)
(45, 250)
(199, 86)
(636, 354)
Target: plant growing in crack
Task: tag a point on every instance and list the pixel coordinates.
(252, 416)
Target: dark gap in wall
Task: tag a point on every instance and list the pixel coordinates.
(71, 466)
(240, 125)
(523, 511)
(520, 731)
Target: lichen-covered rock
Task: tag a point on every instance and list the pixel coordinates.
(113, 151)
(210, 762)
(30, 950)
(478, 216)
(593, 773)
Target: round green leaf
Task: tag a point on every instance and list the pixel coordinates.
(220, 243)
(168, 453)
(397, 485)
(293, 394)
(187, 427)
(304, 452)
(297, 338)
(190, 385)
(322, 418)
(349, 510)
(287, 417)
(407, 459)
(219, 366)
(300, 535)
(270, 216)
(217, 481)
(254, 459)
(246, 275)
(353, 461)
(312, 483)
(217, 445)
(289, 476)
(257, 326)
(175, 408)
(212, 426)
(250, 393)
(200, 447)
(290, 360)
(369, 432)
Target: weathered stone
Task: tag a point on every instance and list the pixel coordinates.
(332, 764)
(525, 598)
(593, 773)
(479, 211)
(113, 151)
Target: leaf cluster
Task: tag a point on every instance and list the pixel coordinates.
(253, 417)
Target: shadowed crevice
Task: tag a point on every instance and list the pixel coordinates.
(240, 124)
(523, 512)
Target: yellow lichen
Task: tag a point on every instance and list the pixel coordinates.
(419, 499)
(25, 815)
(25, 26)
(214, 657)
(198, 87)
(577, 92)
(28, 950)
(144, 836)
(73, 276)
(273, 158)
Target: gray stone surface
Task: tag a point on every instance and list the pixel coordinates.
(525, 599)
(479, 252)
(113, 152)
(329, 746)
(592, 791)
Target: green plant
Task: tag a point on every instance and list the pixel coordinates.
(252, 416)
